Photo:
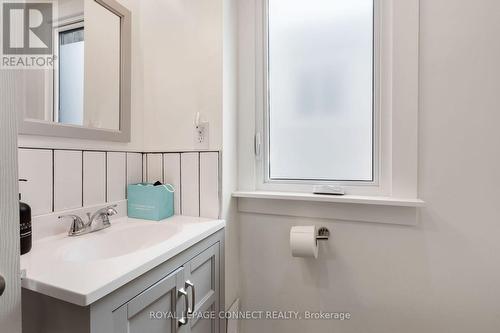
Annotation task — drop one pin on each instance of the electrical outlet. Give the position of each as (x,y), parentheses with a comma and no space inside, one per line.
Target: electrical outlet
(201,133)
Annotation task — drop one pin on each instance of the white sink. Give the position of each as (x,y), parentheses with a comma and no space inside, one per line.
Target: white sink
(116,241)
(83,269)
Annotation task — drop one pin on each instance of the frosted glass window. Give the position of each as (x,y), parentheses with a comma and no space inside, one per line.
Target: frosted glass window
(320,89)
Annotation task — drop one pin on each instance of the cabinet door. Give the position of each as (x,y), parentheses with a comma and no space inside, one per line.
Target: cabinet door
(155,310)
(202,272)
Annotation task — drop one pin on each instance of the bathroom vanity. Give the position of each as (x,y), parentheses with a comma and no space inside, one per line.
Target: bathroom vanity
(136,276)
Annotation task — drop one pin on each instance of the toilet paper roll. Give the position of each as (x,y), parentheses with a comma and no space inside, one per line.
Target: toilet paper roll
(303,242)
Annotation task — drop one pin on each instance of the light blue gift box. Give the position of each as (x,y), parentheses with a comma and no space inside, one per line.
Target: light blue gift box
(149,202)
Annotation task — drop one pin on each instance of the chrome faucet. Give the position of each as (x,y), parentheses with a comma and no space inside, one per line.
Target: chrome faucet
(78,227)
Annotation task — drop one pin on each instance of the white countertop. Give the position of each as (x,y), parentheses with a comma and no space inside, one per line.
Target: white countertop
(66,268)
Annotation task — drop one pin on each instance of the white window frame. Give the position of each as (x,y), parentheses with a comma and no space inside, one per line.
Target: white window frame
(396,26)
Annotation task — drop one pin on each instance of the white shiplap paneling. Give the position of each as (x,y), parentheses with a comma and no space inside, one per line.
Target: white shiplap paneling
(68,185)
(35,165)
(94,178)
(134,168)
(209,184)
(116,176)
(144,167)
(172,175)
(190,189)
(155,172)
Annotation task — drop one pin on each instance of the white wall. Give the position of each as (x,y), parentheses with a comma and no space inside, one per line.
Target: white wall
(230,152)
(176,72)
(442,275)
(182,71)
(70,8)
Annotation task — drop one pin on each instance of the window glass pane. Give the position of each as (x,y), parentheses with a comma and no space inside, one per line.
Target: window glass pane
(321,89)
(71,76)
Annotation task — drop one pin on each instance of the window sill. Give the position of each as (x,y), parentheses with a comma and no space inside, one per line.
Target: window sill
(390,210)
(353,199)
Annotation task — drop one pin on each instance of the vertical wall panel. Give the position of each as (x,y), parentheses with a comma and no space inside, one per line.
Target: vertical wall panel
(134,168)
(155,172)
(144,167)
(117,177)
(35,165)
(190,184)
(172,175)
(209,185)
(68,185)
(94,178)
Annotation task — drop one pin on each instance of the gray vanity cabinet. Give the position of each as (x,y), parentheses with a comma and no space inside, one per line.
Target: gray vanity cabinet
(160,300)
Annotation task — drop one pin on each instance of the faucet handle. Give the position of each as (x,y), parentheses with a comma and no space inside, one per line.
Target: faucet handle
(110,210)
(77,224)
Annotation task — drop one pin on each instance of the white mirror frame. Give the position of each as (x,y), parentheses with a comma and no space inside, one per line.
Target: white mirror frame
(44,128)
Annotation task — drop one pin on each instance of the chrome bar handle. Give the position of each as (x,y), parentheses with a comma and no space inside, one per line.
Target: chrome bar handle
(77,224)
(184,319)
(190,284)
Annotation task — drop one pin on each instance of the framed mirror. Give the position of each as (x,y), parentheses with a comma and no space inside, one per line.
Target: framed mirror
(86,93)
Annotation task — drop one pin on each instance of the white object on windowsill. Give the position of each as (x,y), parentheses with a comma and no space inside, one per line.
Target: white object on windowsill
(328,189)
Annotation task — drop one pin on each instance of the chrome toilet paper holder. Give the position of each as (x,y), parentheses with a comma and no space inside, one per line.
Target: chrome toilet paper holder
(323,234)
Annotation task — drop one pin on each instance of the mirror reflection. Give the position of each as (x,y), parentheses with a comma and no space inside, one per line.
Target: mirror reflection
(83,89)
(70,80)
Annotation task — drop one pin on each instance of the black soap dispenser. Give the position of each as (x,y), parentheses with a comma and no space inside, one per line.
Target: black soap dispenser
(25,224)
